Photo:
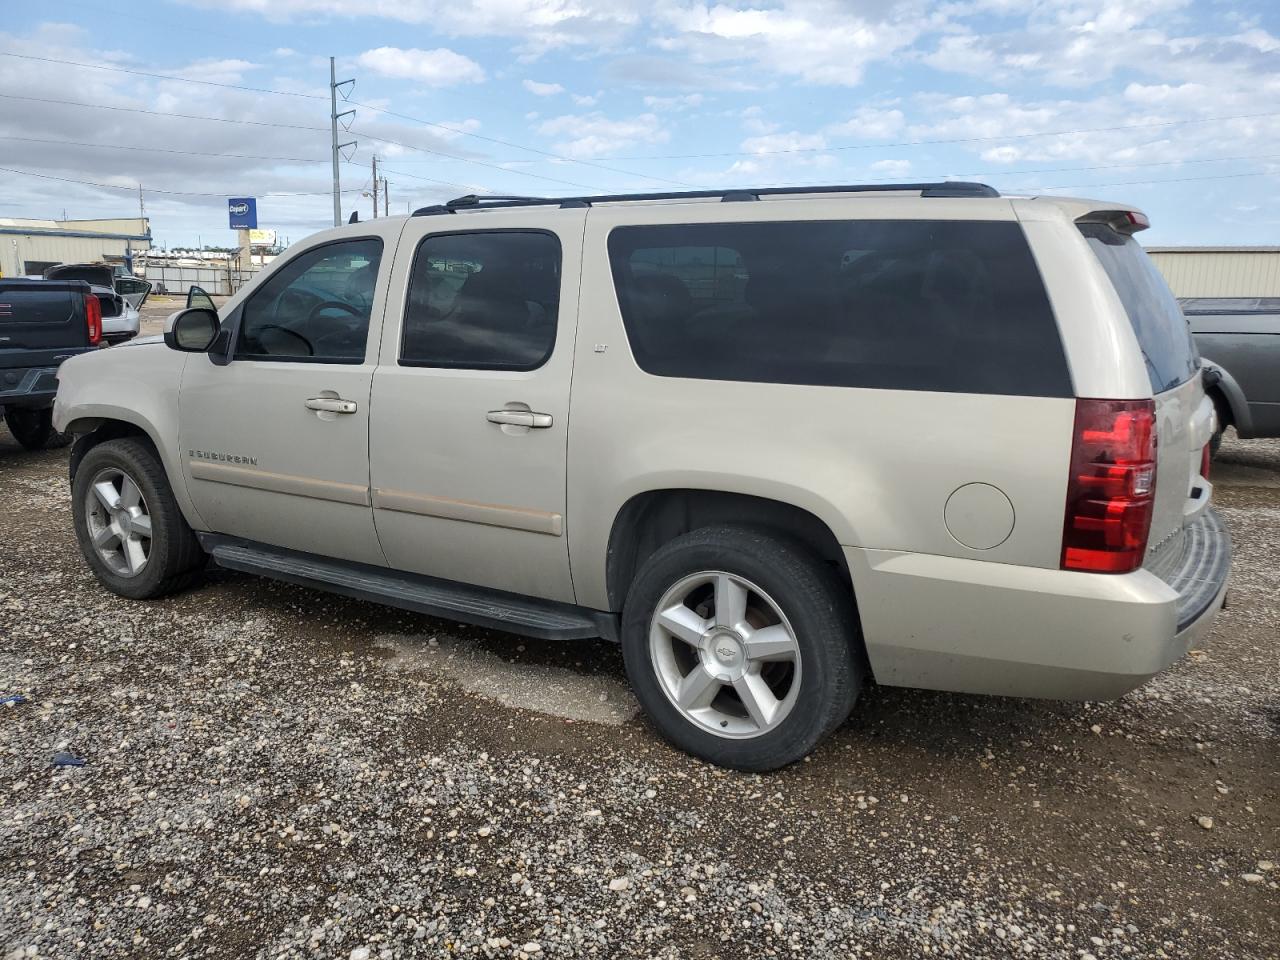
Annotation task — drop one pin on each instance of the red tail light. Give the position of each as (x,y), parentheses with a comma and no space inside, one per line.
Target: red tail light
(93,318)
(1206,460)
(1111,490)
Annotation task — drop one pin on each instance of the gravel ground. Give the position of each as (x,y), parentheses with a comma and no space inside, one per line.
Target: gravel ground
(275,772)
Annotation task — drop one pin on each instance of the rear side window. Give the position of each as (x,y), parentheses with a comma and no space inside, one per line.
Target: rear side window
(483,301)
(954,306)
(1157,321)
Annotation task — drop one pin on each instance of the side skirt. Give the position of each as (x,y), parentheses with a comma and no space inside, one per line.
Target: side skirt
(447,599)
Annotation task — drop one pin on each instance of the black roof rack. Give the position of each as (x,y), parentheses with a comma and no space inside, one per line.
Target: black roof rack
(945,188)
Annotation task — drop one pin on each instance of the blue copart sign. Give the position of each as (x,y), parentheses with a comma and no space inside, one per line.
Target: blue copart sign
(243,213)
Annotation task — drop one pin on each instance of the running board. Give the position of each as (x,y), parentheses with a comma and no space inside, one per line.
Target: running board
(449,600)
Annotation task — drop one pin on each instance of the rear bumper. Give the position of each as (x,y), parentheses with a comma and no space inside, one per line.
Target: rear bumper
(970,626)
(119,328)
(28,386)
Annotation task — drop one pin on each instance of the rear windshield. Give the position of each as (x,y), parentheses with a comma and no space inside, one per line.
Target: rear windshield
(954,306)
(1157,320)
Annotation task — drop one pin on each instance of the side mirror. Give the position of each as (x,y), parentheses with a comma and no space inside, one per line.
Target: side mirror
(192,330)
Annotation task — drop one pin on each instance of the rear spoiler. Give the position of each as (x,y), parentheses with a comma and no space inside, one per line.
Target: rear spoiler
(1121,221)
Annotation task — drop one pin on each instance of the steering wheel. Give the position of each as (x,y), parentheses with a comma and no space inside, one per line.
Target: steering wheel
(324,304)
(306,344)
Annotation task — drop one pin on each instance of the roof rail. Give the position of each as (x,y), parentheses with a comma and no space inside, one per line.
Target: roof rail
(946,188)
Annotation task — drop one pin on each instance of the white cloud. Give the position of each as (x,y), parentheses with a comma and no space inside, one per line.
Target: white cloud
(819,41)
(543,89)
(892,168)
(682,102)
(585,101)
(457,129)
(870,123)
(782,142)
(539,25)
(595,135)
(437,68)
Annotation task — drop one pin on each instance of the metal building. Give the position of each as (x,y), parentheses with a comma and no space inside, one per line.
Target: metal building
(27,247)
(1220,271)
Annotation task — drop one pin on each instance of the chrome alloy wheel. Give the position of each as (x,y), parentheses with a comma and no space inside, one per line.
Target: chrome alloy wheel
(118,521)
(725,655)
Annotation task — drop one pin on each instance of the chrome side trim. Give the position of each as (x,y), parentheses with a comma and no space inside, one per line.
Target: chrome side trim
(469,511)
(280,483)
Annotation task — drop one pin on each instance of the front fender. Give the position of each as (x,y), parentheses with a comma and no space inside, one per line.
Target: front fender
(137,386)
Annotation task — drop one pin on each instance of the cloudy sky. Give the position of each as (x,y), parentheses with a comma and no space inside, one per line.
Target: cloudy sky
(1171,104)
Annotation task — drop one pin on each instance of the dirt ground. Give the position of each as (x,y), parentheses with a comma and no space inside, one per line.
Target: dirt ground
(275,772)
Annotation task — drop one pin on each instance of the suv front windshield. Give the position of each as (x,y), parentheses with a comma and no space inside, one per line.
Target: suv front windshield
(1157,321)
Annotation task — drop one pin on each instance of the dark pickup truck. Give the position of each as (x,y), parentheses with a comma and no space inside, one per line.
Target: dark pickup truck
(1239,343)
(42,323)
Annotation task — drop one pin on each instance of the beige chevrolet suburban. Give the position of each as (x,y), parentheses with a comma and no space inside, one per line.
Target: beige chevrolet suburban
(775,442)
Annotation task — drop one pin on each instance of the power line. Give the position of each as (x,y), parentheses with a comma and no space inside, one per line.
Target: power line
(193,153)
(175,193)
(482,163)
(391,113)
(447,183)
(949,140)
(288,126)
(519,146)
(1138,183)
(991,174)
(162,76)
(161,113)
(555,156)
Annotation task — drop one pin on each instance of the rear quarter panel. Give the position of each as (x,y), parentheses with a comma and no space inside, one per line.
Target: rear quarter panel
(877,466)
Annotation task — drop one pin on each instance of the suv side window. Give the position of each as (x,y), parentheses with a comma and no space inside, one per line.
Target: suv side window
(483,301)
(315,308)
(943,305)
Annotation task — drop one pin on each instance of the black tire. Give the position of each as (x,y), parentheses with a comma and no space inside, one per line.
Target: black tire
(811,596)
(175,558)
(1223,421)
(33,427)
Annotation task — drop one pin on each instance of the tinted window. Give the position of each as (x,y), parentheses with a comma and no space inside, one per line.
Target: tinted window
(913,305)
(483,301)
(1161,329)
(314,308)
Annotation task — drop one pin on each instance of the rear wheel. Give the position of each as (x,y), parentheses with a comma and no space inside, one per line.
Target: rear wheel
(1222,420)
(740,647)
(130,529)
(33,428)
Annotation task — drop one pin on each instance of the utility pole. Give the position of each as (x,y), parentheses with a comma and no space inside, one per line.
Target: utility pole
(142,209)
(334,117)
(375,186)
(386,198)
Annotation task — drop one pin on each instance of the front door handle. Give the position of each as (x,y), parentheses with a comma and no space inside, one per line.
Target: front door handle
(331,405)
(520,418)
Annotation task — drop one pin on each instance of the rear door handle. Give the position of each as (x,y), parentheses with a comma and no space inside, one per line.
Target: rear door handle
(331,405)
(520,418)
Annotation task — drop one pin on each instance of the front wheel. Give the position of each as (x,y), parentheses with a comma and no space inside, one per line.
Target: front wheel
(741,647)
(129,526)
